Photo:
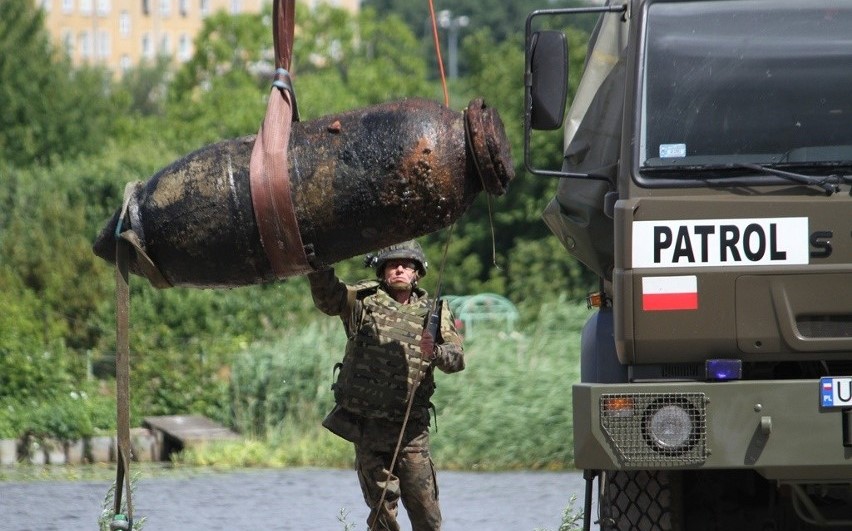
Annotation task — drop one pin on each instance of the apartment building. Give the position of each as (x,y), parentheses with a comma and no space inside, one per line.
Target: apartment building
(119,34)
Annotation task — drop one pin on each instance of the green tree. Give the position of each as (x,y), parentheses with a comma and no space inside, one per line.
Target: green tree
(340,62)
(503,19)
(357,61)
(523,256)
(226,44)
(54,261)
(29,368)
(146,86)
(48,220)
(49,110)
(221,91)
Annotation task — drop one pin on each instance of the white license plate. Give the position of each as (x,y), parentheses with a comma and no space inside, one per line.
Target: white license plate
(835,391)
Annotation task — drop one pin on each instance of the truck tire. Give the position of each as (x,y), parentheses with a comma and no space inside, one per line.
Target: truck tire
(641,500)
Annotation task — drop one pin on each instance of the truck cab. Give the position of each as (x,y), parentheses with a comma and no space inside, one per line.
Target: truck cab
(707,180)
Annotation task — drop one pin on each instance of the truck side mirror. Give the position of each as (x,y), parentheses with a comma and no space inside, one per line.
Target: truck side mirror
(548,79)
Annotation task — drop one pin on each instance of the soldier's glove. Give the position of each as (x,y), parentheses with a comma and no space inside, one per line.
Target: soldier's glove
(428,349)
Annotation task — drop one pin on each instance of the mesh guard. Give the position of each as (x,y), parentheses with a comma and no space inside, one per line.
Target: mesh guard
(629,433)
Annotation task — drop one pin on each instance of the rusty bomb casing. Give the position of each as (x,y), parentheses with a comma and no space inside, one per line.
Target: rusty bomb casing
(359,180)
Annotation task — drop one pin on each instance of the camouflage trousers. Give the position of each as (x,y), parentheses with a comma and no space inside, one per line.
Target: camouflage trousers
(412,480)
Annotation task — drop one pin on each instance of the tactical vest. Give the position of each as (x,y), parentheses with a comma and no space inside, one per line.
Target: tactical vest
(382,360)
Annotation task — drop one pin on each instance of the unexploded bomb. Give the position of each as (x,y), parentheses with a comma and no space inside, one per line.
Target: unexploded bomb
(358,181)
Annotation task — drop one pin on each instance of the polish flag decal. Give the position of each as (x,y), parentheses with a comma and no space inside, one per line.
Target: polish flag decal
(669,293)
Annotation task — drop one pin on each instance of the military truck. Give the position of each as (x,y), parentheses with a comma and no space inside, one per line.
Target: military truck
(706,181)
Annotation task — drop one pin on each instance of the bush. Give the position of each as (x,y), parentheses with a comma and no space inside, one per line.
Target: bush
(67,416)
(10,419)
(287,380)
(65,419)
(102,411)
(510,408)
(28,368)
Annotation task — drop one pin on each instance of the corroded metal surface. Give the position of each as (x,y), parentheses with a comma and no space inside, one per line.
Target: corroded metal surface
(359,181)
(487,140)
(195,221)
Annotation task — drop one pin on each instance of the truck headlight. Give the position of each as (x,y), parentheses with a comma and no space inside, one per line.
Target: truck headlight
(670,427)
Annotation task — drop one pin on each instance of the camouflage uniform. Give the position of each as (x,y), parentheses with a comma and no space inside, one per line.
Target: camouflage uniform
(374,429)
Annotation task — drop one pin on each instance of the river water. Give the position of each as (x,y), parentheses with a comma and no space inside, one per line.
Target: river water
(289,499)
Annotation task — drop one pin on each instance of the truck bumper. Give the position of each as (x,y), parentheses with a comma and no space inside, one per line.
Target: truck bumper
(774,427)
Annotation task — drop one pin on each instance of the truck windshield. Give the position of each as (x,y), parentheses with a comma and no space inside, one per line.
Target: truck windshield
(754,82)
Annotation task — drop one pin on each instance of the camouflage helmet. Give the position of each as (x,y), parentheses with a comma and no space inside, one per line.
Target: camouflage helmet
(409,250)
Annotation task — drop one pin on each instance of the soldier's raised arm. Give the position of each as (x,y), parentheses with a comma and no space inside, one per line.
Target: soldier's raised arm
(331,295)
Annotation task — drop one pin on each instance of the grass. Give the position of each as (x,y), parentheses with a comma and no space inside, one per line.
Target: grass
(108,515)
(509,409)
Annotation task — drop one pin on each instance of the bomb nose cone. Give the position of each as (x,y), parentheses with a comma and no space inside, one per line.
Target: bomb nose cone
(104,246)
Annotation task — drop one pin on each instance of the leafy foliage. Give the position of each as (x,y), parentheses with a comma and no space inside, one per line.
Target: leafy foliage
(27,368)
(67,413)
(513,386)
(347,62)
(504,20)
(289,379)
(49,110)
(146,87)
(219,92)
(108,516)
(65,159)
(521,256)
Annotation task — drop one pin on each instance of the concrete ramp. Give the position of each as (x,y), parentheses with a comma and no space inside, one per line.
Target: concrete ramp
(176,432)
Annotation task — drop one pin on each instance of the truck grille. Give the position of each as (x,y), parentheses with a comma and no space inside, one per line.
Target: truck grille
(825,326)
(655,429)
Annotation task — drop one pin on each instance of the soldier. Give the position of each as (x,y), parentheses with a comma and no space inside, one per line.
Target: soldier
(388,352)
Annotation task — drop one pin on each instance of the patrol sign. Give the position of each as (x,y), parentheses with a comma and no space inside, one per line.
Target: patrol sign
(720,242)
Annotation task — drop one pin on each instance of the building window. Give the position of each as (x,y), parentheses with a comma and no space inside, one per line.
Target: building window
(125,63)
(85,45)
(146,7)
(104,48)
(67,6)
(85,7)
(47,5)
(124,24)
(184,48)
(165,7)
(165,45)
(68,42)
(103,7)
(236,7)
(147,47)
(184,7)
(205,8)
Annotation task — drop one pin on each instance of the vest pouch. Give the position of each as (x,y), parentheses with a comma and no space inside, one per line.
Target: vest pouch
(334,384)
(343,423)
